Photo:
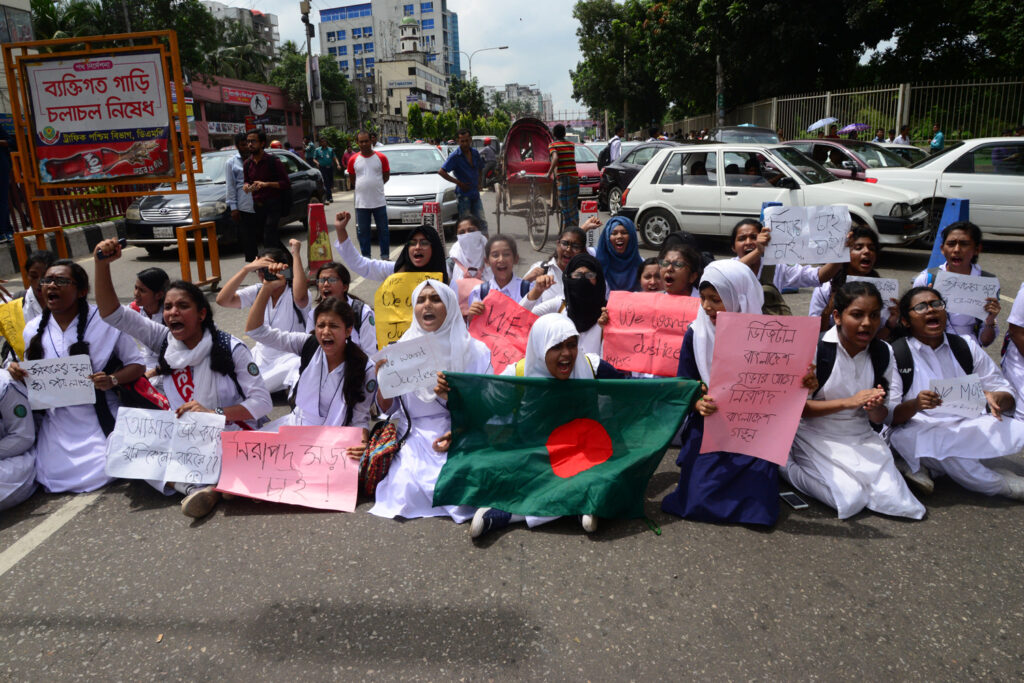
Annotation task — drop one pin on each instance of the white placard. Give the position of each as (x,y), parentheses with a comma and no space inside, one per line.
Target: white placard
(588,209)
(966,294)
(156,445)
(59,382)
(889,288)
(409,365)
(963,396)
(807,234)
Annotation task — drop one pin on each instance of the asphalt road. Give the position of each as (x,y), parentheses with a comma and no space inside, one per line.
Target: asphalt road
(119,585)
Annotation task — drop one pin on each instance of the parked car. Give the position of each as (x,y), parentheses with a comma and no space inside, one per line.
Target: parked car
(987,171)
(849,158)
(616,176)
(414,180)
(909,152)
(707,188)
(756,134)
(586,167)
(596,146)
(150,222)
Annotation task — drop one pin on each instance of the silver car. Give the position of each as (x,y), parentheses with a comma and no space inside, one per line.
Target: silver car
(414,181)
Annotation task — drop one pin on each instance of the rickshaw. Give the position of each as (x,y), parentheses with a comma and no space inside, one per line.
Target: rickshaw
(523,188)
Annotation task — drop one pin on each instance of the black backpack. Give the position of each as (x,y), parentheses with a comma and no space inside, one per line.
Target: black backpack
(605,157)
(905,359)
(825,361)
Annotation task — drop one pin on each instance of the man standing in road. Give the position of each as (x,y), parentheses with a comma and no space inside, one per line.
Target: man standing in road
(369,171)
(240,202)
(567,180)
(326,161)
(938,139)
(489,156)
(468,167)
(615,144)
(308,148)
(266,179)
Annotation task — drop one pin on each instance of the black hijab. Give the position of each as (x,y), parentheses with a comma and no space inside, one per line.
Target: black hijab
(583,300)
(403,264)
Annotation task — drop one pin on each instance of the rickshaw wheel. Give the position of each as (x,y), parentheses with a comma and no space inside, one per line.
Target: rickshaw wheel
(498,195)
(538,218)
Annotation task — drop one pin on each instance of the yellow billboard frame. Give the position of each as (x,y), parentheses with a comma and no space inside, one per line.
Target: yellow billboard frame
(180,149)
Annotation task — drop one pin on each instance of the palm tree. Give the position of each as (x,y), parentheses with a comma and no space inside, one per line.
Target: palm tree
(56,19)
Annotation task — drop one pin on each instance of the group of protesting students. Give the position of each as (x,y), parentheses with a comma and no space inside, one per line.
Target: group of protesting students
(868,428)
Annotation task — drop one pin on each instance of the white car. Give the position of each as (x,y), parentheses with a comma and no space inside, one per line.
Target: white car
(707,189)
(414,180)
(987,171)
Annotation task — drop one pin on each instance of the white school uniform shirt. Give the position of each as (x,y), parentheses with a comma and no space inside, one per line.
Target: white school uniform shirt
(942,437)
(823,292)
(234,177)
(30,307)
(1013,362)
(70,451)
(957,323)
(371,269)
(256,398)
(318,395)
(17,433)
(280,369)
(550,267)
(511,290)
(149,357)
(366,334)
(789,276)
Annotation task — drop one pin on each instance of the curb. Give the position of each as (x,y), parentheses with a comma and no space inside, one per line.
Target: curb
(80,240)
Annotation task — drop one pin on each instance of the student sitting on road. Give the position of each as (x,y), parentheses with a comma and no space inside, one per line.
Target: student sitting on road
(1013,350)
(468,256)
(502,259)
(17,433)
(584,301)
(649,276)
(279,369)
(570,242)
(618,252)
(423,253)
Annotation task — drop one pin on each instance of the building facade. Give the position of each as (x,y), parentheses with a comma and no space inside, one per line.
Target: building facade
(264,26)
(222,109)
(408,79)
(15,27)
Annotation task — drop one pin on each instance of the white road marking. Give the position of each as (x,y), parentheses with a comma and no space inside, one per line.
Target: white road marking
(48,527)
(1007,299)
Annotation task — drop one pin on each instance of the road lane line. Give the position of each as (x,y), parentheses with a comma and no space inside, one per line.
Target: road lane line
(1007,299)
(48,527)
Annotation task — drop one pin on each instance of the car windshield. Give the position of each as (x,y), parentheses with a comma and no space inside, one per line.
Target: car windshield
(876,157)
(801,165)
(585,154)
(748,135)
(414,161)
(931,159)
(213,168)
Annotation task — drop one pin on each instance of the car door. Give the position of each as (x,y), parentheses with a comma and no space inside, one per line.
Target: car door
(635,160)
(991,176)
(689,182)
(746,188)
(302,185)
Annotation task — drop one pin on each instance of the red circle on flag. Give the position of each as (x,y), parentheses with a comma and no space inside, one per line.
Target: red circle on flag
(577,446)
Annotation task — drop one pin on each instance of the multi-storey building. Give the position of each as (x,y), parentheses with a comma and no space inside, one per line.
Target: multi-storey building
(264,26)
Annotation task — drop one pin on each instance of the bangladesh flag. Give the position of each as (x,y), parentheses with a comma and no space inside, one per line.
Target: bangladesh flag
(538,446)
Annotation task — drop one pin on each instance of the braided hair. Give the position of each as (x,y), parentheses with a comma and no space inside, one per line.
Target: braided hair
(220,355)
(80,278)
(352,388)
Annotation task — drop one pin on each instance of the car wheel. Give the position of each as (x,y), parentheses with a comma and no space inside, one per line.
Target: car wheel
(614,200)
(655,225)
(154,249)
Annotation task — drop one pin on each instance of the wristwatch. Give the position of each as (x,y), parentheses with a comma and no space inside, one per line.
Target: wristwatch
(219,411)
(113,380)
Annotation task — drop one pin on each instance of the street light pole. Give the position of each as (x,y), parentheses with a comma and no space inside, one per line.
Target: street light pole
(483,49)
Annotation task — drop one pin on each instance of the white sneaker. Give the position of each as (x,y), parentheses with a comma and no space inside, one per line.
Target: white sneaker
(1013,486)
(920,480)
(200,502)
(589,523)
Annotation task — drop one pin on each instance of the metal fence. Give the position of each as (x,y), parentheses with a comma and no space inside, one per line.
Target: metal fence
(962,110)
(78,208)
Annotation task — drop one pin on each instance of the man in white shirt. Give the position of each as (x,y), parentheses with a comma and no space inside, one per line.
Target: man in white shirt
(243,214)
(615,144)
(374,144)
(369,171)
(904,137)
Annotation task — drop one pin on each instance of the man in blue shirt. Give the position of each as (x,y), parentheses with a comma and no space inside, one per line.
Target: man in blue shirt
(240,202)
(468,167)
(326,161)
(938,139)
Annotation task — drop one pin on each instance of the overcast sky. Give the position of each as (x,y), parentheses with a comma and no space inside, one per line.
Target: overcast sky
(541,39)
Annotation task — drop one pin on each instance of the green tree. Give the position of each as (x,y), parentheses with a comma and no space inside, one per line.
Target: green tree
(290,76)
(466,121)
(499,123)
(467,96)
(414,122)
(447,124)
(237,56)
(430,126)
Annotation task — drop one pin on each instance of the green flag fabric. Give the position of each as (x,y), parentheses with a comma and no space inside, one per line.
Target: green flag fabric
(547,447)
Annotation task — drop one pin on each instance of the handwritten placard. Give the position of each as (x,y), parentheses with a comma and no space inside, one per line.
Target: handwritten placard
(12,325)
(889,288)
(757,371)
(504,327)
(409,365)
(465,287)
(588,210)
(807,234)
(392,305)
(963,396)
(966,294)
(306,466)
(157,445)
(59,382)
(645,331)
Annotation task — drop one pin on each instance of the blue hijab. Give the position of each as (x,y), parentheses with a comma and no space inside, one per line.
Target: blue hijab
(620,270)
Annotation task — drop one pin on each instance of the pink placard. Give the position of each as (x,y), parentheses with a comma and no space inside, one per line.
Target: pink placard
(305,466)
(645,331)
(465,287)
(504,326)
(757,372)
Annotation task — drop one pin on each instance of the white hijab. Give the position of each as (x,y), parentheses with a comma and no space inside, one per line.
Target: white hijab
(740,293)
(548,331)
(469,252)
(453,344)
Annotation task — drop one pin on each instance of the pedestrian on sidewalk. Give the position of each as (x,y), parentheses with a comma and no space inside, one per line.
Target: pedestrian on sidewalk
(239,201)
(266,179)
(369,171)
(467,166)
(938,142)
(567,180)
(326,161)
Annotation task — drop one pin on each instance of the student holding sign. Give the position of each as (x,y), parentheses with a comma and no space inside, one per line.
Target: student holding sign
(681,268)
(70,451)
(837,457)
(332,280)
(649,275)
(17,432)
(950,444)
(279,369)
(502,259)
(570,242)
(423,253)
(209,370)
(336,381)
(618,252)
(408,489)
(961,246)
(720,487)
(584,301)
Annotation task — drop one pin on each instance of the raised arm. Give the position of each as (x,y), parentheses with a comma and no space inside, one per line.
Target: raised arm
(103,285)
(258,311)
(228,296)
(300,283)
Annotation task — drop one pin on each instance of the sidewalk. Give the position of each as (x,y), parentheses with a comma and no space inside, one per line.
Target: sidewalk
(80,241)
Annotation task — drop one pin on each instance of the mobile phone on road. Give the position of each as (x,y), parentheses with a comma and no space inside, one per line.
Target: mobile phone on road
(794,501)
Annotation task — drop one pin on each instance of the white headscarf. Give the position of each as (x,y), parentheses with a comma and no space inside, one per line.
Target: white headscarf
(469,252)
(740,293)
(452,341)
(548,331)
